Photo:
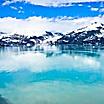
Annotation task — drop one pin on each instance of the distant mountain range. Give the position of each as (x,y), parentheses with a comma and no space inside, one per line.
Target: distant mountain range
(89,35)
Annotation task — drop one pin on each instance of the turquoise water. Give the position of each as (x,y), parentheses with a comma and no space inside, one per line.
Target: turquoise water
(52,76)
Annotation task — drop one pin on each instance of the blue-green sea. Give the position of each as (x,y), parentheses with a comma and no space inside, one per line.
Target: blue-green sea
(51,76)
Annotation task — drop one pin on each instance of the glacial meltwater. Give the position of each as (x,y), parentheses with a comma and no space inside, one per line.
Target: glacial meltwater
(51,76)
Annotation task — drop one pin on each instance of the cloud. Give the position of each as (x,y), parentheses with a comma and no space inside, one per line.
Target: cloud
(80,4)
(38,25)
(7,2)
(102,10)
(20,11)
(13,7)
(50,2)
(37,62)
(94,9)
(20,7)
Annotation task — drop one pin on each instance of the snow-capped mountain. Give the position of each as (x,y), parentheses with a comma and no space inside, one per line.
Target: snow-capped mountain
(91,35)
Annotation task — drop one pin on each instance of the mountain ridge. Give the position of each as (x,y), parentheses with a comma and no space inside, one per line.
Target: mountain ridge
(92,34)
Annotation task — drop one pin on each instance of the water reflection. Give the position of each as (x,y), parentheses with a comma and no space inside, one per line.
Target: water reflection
(55,72)
(75,77)
(51,63)
(53,50)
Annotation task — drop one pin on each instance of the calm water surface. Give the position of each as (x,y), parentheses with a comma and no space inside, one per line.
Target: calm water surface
(52,76)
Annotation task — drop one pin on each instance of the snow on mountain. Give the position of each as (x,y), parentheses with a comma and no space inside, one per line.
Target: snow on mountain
(92,34)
